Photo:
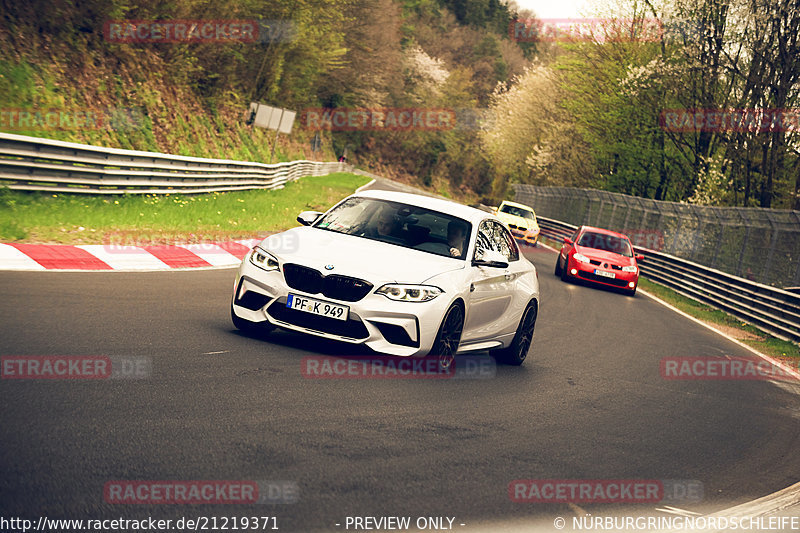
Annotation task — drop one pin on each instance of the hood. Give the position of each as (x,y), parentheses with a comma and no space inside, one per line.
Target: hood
(518,221)
(608,257)
(374,261)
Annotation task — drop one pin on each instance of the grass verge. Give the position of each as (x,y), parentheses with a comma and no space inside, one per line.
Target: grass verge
(720,320)
(34,217)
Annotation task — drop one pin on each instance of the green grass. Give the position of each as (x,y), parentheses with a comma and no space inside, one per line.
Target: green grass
(763,342)
(746,333)
(97,219)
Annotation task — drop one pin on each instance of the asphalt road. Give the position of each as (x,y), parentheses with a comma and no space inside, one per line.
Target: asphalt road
(589,403)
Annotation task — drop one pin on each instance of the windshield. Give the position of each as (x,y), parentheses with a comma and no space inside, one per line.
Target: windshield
(518,212)
(608,243)
(400,224)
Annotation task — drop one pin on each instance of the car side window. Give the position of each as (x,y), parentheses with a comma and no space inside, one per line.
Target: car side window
(493,236)
(504,242)
(484,240)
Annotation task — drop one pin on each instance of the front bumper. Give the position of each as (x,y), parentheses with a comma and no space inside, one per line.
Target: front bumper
(528,237)
(384,325)
(585,272)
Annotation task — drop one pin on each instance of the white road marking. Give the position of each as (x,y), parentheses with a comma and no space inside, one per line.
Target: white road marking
(365,186)
(13,259)
(674,510)
(125,257)
(212,254)
(792,372)
(789,370)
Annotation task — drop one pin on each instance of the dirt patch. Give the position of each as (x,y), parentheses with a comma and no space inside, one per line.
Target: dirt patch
(736,333)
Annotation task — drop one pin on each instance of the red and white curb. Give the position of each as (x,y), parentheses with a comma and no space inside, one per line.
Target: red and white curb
(16,256)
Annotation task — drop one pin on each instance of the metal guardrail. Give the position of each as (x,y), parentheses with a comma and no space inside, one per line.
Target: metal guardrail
(773,310)
(35,164)
(759,244)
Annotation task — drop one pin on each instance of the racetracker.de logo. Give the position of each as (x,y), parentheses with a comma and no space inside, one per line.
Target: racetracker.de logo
(200,492)
(605,491)
(730,368)
(181,31)
(382,119)
(652,239)
(49,367)
(601,30)
(389,367)
(729,120)
(54,119)
(586,491)
(132,242)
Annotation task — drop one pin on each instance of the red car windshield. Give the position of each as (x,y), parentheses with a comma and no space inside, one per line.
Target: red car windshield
(607,243)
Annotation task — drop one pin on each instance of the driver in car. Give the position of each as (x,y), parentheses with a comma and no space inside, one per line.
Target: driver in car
(456,235)
(387,225)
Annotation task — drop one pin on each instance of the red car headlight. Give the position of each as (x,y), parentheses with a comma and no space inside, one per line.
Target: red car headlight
(580,258)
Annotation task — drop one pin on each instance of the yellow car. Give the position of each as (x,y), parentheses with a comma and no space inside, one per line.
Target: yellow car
(521,219)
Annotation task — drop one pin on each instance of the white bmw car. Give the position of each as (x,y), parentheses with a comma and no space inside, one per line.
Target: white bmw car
(404,274)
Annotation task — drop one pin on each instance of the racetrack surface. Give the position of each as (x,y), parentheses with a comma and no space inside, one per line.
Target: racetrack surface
(589,403)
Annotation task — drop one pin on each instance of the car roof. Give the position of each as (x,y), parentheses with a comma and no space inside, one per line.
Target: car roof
(603,231)
(515,204)
(429,202)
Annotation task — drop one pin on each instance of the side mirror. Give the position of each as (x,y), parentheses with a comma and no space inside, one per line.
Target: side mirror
(307,218)
(639,257)
(567,240)
(490,258)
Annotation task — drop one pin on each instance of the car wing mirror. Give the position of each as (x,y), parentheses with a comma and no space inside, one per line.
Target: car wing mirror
(307,218)
(567,240)
(639,257)
(490,258)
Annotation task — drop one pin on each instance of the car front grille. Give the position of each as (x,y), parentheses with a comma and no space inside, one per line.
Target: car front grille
(352,328)
(602,279)
(335,286)
(303,278)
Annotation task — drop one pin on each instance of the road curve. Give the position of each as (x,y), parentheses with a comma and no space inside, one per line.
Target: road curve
(588,404)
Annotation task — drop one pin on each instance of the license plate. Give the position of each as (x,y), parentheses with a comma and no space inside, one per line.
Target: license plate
(317,307)
(604,273)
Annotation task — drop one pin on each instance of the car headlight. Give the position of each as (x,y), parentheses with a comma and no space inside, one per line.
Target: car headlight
(409,293)
(263,259)
(580,258)
(631,268)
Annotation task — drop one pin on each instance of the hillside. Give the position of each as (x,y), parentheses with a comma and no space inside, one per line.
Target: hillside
(64,75)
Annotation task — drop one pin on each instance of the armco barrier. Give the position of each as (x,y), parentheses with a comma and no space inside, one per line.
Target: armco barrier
(759,244)
(35,164)
(770,309)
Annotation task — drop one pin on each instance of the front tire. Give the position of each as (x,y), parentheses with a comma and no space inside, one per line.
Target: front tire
(446,344)
(558,265)
(564,273)
(516,353)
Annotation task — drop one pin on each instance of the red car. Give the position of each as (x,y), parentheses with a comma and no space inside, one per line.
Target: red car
(600,256)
